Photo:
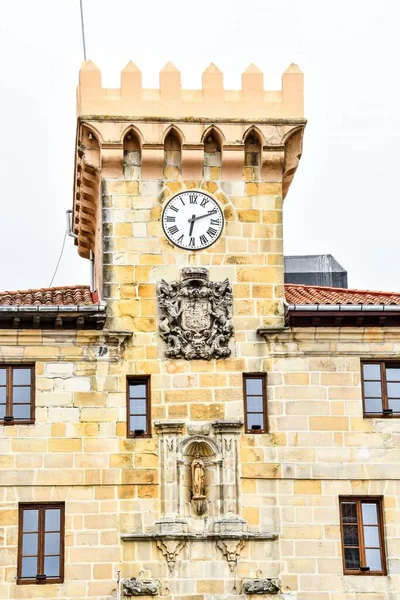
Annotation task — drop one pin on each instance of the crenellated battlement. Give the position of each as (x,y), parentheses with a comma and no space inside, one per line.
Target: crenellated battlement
(252,102)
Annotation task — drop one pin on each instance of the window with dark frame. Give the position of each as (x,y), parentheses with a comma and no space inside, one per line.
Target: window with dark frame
(363,548)
(381,388)
(17,385)
(255,402)
(41,543)
(138,406)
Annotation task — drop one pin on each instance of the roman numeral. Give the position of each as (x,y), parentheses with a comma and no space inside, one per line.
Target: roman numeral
(203,240)
(181,199)
(173,230)
(180,240)
(193,198)
(204,202)
(213,222)
(191,243)
(211,232)
(173,208)
(172,220)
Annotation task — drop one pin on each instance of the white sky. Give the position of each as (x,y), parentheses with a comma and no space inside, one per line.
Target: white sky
(344,199)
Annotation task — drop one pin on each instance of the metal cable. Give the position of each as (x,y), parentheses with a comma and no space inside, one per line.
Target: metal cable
(59,258)
(83,31)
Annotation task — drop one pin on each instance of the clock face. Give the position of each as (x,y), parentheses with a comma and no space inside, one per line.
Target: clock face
(192,220)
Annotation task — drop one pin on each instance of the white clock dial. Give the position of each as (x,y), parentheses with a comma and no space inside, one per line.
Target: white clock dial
(192,220)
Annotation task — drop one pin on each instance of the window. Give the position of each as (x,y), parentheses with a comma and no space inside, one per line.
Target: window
(381,388)
(17,385)
(41,543)
(138,407)
(362,536)
(255,402)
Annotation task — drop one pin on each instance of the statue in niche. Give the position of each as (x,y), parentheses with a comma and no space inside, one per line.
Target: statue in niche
(198,487)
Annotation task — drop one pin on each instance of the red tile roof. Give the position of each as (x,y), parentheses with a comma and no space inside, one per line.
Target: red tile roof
(307,294)
(56,296)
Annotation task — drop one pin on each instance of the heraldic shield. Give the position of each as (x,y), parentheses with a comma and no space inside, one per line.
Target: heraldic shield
(196,315)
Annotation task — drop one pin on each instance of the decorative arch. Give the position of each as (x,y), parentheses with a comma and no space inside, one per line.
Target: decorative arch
(172,140)
(257,132)
(89,143)
(213,141)
(199,444)
(217,131)
(293,142)
(253,143)
(134,129)
(132,147)
(176,130)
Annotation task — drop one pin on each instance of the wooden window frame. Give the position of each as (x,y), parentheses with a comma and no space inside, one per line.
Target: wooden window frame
(385,402)
(263,377)
(146,380)
(378,501)
(41,507)
(9,418)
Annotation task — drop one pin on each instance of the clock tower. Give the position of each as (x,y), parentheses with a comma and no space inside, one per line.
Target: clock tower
(178,203)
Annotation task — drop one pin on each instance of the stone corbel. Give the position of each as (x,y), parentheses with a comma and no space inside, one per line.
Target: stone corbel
(261,586)
(140,587)
(170,549)
(231,550)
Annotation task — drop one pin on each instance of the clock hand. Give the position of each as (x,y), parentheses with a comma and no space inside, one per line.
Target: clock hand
(201,216)
(191,221)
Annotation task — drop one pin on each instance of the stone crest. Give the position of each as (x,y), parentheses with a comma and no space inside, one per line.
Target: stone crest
(196,315)
(140,587)
(261,586)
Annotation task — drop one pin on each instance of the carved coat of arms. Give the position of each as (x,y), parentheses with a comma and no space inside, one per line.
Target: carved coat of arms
(196,315)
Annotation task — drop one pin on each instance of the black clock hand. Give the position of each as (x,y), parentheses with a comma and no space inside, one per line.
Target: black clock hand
(191,221)
(201,216)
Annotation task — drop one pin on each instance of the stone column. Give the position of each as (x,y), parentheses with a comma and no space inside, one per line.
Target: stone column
(227,434)
(169,432)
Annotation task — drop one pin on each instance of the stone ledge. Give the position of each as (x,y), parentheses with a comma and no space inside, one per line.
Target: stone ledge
(204,537)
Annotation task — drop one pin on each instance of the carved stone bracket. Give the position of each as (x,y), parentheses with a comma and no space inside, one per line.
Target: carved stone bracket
(140,587)
(170,549)
(231,550)
(196,316)
(261,586)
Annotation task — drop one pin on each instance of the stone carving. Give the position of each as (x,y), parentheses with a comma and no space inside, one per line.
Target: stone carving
(261,586)
(231,550)
(140,587)
(197,478)
(170,549)
(196,315)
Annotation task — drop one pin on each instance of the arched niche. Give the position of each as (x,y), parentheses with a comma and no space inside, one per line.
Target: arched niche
(172,154)
(252,156)
(213,143)
(132,155)
(90,145)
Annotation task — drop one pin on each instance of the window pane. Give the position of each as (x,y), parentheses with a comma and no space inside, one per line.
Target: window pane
(254,386)
(29,567)
(350,534)
(393,390)
(137,390)
(371,537)
(254,403)
(136,423)
(369,514)
(21,376)
(21,394)
(3,394)
(373,405)
(2,411)
(255,419)
(372,389)
(394,405)
(52,566)
(349,512)
(52,520)
(30,520)
(392,374)
(30,543)
(138,407)
(373,559)
(3,375)
(52,543)
(21,411)
(352,558)
(372,372)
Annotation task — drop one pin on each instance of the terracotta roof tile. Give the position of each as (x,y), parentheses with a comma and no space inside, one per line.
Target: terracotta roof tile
(307,294)
(56,296)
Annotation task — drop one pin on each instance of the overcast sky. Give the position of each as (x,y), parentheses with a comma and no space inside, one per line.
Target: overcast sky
(344,199)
